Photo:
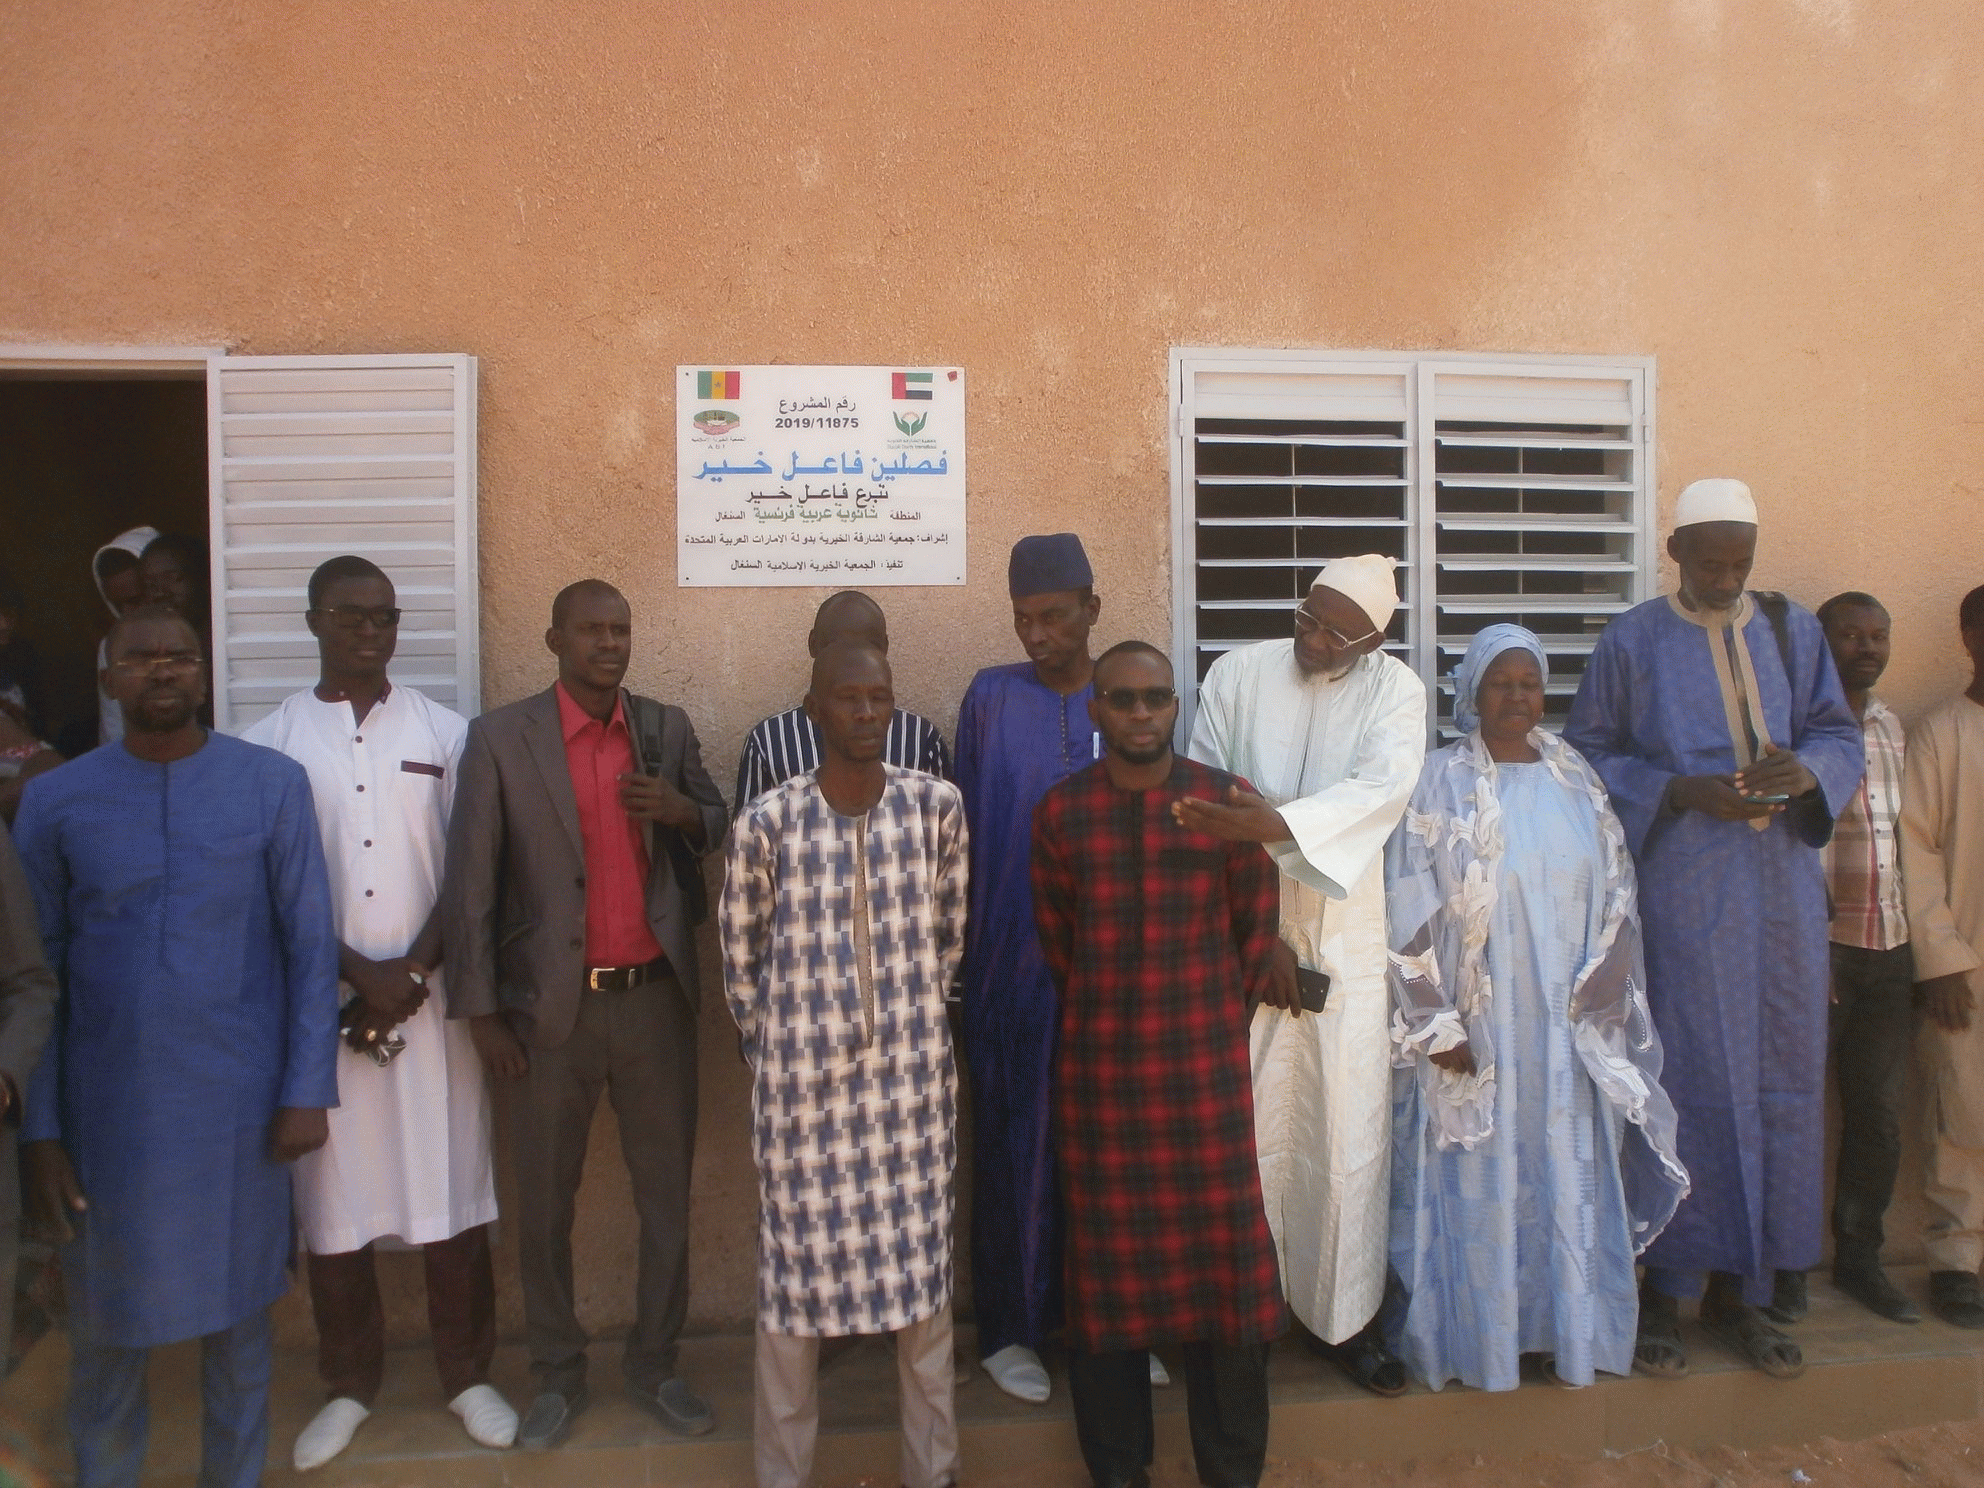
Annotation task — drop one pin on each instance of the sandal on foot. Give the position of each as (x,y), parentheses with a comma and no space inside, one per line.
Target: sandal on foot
(1547,1366)
(1368,1363)
(1657,1351)
(1745,1331)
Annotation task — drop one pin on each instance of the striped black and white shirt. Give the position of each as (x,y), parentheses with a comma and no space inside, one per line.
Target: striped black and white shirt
(788,744)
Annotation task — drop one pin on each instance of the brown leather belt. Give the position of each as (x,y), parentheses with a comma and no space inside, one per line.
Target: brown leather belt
(620,978)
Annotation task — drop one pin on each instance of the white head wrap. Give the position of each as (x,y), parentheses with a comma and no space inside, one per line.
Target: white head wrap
(1369,581)
(1489,643)
(1718,499)
(132,542)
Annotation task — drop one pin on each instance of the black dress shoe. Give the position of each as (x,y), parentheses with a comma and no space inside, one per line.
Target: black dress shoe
(549,1419)
(676,1406)
(1788,1300)
(1870,1287)
(1953,1297)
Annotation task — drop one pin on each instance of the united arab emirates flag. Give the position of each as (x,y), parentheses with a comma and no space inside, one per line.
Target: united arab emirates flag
(911,385)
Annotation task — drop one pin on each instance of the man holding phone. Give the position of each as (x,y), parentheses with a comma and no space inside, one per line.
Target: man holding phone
(408,1154)
(1332,731)
(569,911)
(1716,720)
(1160,938)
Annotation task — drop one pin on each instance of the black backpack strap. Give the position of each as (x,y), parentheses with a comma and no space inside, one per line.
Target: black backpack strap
(645,720)
(1777,609)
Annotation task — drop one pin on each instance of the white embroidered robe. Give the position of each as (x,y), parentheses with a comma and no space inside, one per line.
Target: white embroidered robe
(1339,758)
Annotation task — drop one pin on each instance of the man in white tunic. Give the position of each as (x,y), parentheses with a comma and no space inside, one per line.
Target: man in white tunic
(842,922)
(408,1155)
(1942,866)
(1332,731)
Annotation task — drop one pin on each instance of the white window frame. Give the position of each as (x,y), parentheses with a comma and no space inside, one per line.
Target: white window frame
(372,433)
(210,363)
(1390,386)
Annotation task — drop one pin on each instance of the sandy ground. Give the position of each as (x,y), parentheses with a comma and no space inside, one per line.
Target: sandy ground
(1926,1457)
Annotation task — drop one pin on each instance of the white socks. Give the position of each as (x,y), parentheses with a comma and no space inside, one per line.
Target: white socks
(1017,1370)
(328,1433)
(487,1415)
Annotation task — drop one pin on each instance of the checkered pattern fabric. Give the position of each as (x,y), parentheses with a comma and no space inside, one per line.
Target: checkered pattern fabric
(1863,859)
(854,1095)
(1157,938)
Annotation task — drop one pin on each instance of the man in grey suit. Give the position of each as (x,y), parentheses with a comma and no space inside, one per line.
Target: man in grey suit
(27,1007)
(569,912)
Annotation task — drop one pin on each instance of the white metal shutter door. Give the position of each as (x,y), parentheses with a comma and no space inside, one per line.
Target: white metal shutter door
(310,457)
(1282,467)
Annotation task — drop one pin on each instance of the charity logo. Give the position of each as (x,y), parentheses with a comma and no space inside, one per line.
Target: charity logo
(719,384)
(910,385)
(911,426)
(715,420)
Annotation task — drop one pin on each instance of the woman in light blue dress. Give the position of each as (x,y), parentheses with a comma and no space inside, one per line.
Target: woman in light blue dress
(1533,1148)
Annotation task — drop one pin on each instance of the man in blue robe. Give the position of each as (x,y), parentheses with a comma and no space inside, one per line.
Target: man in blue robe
(182,897)
(1021,729)
(1717,722)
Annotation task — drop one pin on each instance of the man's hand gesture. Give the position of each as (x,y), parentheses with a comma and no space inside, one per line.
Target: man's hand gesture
(53,1192)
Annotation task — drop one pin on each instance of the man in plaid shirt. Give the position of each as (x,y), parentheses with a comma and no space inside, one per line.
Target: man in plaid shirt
(1160,939)
(1872,970)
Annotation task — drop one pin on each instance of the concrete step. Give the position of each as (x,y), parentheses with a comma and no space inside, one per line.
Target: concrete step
(1866,1376)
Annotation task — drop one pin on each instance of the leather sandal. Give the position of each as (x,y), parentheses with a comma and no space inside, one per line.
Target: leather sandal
(1744,1330)
(1657,1351)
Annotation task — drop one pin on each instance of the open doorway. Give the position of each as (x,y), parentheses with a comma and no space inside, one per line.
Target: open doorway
(84,457)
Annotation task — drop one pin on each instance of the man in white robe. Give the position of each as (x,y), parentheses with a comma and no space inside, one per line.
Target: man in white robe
(408,1158)
(1332,732)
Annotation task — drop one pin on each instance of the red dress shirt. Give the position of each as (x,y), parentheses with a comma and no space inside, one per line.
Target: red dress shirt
(598,754)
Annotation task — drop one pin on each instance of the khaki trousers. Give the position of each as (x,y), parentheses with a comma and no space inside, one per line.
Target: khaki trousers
(1953,1180)
(788,1406)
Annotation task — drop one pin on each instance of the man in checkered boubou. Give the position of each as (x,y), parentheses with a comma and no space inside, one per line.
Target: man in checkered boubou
(1160,937)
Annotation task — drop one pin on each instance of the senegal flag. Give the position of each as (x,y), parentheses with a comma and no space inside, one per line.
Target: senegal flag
(719,385)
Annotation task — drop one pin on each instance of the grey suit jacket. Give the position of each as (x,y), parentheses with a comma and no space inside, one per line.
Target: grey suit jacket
(27,986)
(514,896)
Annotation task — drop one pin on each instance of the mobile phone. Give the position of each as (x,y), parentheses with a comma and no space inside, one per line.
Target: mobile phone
(1313,987)
(1776,800)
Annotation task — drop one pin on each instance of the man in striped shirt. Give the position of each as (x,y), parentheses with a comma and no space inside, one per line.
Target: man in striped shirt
(1872,970)
(788,743)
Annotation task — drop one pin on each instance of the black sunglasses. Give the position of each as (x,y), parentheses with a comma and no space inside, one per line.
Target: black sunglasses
(1123,699)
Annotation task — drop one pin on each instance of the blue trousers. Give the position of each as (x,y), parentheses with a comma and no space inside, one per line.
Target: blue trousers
(108,1419)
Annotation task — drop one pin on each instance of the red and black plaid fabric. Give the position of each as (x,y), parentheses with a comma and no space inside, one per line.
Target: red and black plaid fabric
(1156,938)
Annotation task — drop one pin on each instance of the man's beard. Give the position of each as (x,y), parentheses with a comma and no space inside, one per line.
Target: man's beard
(160,715)
(1148,756)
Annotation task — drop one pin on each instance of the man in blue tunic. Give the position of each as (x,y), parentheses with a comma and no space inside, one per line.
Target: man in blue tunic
(1021,728)
(182,897)
(1717,722)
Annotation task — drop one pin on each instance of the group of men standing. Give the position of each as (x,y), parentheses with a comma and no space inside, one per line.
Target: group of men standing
(1173,971)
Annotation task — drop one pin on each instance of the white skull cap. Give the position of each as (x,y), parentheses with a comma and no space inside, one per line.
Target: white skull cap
(1369,580)
(1718,499)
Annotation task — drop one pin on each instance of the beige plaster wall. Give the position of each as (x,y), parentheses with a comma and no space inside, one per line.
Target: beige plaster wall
(1777,198)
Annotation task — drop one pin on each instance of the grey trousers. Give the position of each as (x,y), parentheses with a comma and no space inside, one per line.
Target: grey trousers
(788,1406)
(639,1047)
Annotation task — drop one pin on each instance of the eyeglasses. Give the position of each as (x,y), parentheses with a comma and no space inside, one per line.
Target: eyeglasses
(1123,699)
(351,617)
(1304,621)
(144,666)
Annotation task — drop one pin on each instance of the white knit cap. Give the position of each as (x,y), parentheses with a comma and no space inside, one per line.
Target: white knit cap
(1369,580)
(1718,499)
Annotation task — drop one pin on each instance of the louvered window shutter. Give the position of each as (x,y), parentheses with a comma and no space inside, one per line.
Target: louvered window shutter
(310,457)
(1504,488)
